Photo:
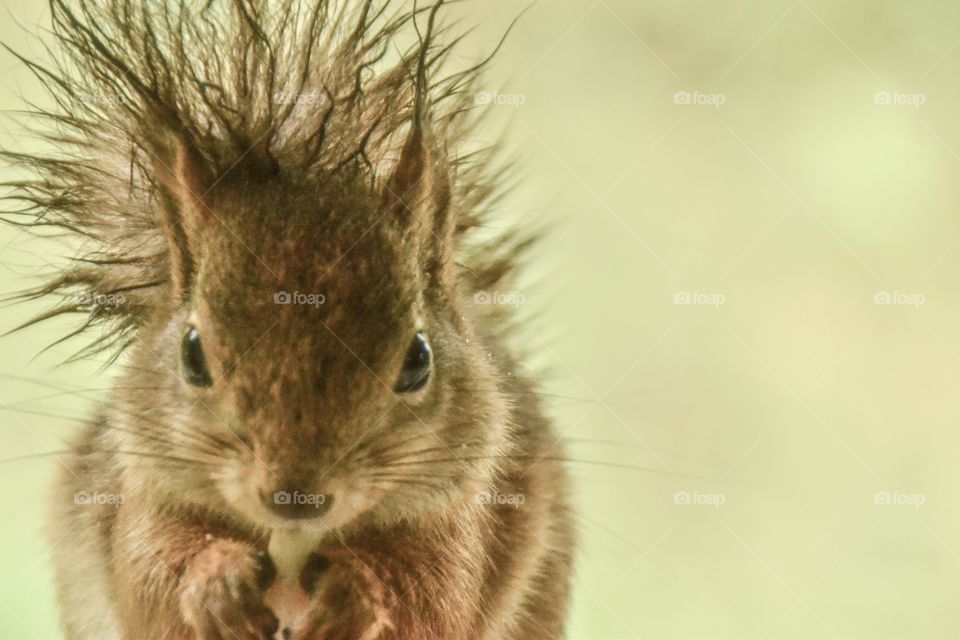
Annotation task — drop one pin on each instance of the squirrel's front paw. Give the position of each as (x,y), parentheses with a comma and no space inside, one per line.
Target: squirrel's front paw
(348,602)
(223,593)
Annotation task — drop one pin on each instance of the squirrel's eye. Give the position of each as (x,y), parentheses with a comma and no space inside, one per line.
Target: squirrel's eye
(192,360)
(416,366)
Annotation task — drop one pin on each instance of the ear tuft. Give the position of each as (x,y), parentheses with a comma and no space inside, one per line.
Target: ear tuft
(184,179)
(187,182)
(407,186)
(418,193)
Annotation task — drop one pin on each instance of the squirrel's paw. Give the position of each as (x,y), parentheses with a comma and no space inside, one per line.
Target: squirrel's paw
(348,602)
(223,593)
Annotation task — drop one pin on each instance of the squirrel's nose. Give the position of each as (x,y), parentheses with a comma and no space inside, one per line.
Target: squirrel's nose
(296,505)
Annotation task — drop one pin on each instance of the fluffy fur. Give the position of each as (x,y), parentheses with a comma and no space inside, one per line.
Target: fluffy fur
(308,88)
(211,156)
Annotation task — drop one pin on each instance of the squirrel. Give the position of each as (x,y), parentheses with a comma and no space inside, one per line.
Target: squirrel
(318,431)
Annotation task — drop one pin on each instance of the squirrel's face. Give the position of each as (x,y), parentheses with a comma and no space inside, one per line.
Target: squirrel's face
(319,366)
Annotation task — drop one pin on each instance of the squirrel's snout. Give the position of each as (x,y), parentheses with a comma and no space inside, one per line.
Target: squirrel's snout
(294,504)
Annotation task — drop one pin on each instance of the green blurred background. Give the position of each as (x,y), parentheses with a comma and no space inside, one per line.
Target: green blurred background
(749,289)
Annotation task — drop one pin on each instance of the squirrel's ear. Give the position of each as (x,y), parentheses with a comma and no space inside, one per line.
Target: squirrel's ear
(418,190)
(184,180)
(405,190)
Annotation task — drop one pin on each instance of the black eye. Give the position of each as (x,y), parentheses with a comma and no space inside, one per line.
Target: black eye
(192,360)
(416,366)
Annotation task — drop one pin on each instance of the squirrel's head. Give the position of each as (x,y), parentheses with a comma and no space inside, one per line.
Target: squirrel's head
(288,275)
(317,360)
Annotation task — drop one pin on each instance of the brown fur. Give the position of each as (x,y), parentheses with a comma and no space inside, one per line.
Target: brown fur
(202,195)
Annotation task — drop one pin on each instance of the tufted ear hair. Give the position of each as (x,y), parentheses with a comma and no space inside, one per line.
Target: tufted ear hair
(419,182)
(418,190)
(409,184)
(184,179)
(418,193)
